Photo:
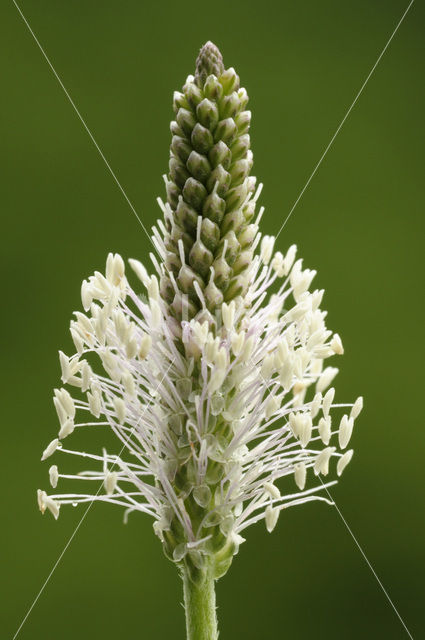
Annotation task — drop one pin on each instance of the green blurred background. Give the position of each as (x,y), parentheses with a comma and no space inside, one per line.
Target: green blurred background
(359,223)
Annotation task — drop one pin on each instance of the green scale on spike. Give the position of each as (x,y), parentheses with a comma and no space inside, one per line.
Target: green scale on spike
(209,235)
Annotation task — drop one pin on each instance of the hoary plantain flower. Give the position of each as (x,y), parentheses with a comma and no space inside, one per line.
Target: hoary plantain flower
(210,371)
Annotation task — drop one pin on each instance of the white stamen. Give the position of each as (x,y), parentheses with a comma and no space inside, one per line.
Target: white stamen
(336,345)
(111,480)
(300,474)
(322,461)
(50,449)
(345,431)
(53,476)
(343,461)
(271,516)
(357,408)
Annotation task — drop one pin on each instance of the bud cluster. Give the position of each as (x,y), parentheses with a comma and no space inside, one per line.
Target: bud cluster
(209,233)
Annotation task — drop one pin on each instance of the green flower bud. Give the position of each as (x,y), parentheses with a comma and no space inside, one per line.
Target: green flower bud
(178,172)
(219,179)
(210,234)
(243,261)
(177,234)
(234,289)
(239,171)
(186,278)
(200,258)
(236,196)
(222,272)
(226,130)
(249,208)
(194,193)
(193,94)
(213,90)
(185,120)
(233,247)
(175,129)
(230,105)
(201,139)
(214,207)
(247,236)
(229,80)
(172,263)
(213,295)
(243,121)
(179,101)
(173,193)
(207,113)
(198,166)
(220,154)
(166,289)
(180,148)
(243,97)
(240,147)
(233,221)
(186,216)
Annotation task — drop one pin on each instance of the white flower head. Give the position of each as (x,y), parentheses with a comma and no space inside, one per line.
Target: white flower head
(218,425)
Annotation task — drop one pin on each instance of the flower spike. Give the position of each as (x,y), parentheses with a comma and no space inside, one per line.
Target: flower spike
(210,373)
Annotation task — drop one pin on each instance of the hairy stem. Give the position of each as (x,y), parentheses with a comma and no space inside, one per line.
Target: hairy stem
(199,603)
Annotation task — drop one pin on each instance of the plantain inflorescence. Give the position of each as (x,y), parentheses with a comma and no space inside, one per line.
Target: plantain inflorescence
(213,380)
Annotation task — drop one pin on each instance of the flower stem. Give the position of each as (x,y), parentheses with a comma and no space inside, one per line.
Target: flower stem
(199,603)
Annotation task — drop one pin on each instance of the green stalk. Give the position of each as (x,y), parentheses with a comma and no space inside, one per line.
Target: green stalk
(199,604)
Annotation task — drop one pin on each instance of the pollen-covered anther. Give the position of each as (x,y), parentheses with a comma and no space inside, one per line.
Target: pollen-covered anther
(64,405)
(94,403)
(53,475)
(316,404)
(228,314)
(345,431)
(111,480)
(326,378)
(46,502)
(278,264)
(140,271)
(271,517)
(300,474)
(272,490)
(248,348)
(68,367)
(327,401)
(120,409)
(325,429)
(145,346)
(267,245)
(217,376)
(357,408)
(156,314)
(322,461)
(50,449)
(343,461)
(115,269)
(336,345)
(86,295)
(66,429)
